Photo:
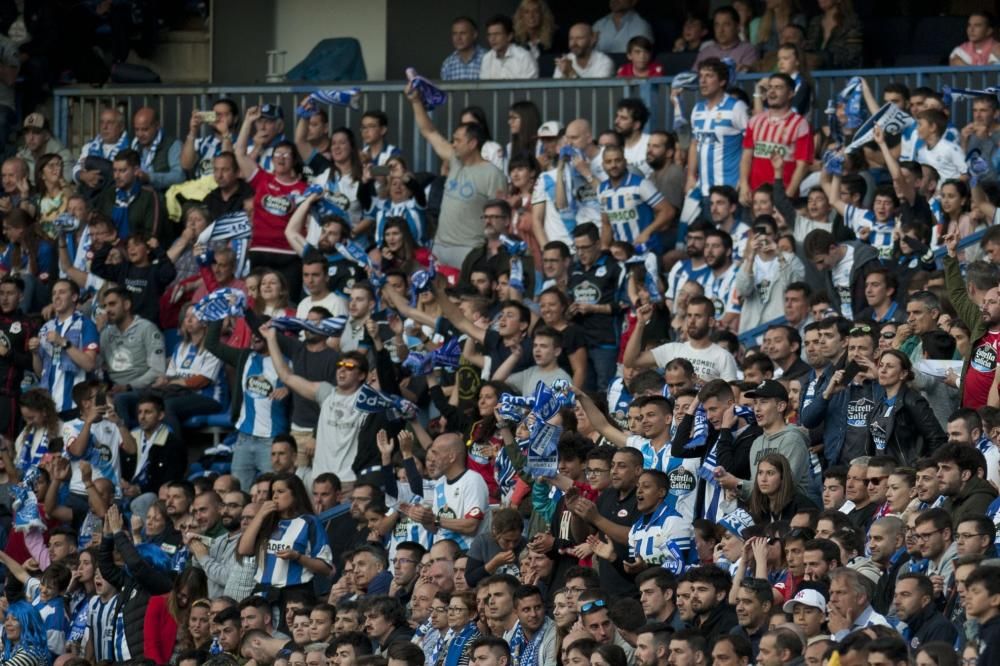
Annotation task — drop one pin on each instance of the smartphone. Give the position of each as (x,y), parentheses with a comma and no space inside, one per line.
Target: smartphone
(850,372)
(380,171)
(208,116)
(101,401)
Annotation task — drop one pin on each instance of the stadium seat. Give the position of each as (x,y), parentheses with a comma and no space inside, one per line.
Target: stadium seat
(674,63)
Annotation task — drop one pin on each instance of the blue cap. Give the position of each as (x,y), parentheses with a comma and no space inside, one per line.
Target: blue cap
(272,111)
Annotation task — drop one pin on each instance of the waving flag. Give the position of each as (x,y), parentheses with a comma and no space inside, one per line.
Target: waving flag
(26,515)
(682,81)
(890,118)
(234,229)
(446,356)
(375,402)
(516,249)
(543,451)
(950,94)
(852,97)
(350,97)
(422,281)
(354,252)
(221,303)
(431,96)
(329,327)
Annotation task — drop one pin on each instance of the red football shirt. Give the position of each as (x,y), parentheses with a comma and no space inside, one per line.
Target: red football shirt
(766,135)
(273,204)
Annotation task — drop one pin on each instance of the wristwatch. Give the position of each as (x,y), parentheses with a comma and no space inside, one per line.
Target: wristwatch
(66,343)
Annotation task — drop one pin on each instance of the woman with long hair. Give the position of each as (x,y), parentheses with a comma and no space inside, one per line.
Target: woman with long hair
(523,119)
(835,36)
(53,192)
(553,304)
(344,174)
(491,151)
(26,251)
(955,215)
(398,249)
(199,625)
(274,296)
(524,172)
(24,639)
(288,540)
(463,614)
(534,26)
(765,32)
(42,425)
(166,621)
(158,528)
(902,425)
(608,655)
(774,497)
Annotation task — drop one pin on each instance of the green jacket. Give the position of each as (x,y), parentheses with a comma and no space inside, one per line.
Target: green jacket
(143,214)
(967,311)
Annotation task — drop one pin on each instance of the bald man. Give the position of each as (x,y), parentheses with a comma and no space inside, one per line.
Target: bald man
(159,153)
(93,169)
(583,61)
(461,498)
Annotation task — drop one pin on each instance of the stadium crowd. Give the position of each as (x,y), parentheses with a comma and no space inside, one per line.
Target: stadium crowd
(606,396)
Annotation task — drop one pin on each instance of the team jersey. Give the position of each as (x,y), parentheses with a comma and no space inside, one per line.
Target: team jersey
(911,144)
(207,147)
(629,207)
(59,372)
(767,135)
(53,614)
(982,366)
(273,204)
(100,627)
(558,223)
(739,233)
(993,513)
(102,452)
(465,498)
(880,236)
(190,360)
(662,538)
(342,192)
(684,271)
(992,455)
(407,529)
(619,400)
(682,473)
(304,535)
(720,291)
(382,157)
(261,415)
(414,214)
(719,133)
(266,158)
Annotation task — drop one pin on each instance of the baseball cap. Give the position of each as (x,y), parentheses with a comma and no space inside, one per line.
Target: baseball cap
(36,121)
(768,388)
(272,111)
(737,521)
(811,598)
(550,129)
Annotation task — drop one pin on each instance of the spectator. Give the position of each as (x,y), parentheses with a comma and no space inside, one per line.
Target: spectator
(534,26)
(981,49)
(38,141)
(834,37)
(583,61)
(983,133)
(727,42)
(231,192)
(766,32)
(132,348)
(618,27)
(966,493)
(505,59)
(693,34)
(134,207)
(938,151)
(92,170)
(146,278)
(632,209)
(159,153)
(466,60)
(775,139)
(845,264)
(640,63)
(199,152)
(764,275)
(631,116)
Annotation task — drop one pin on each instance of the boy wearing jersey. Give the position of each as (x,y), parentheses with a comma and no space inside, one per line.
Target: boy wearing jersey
(717,125)
(258,402)
(873,226)
(632,209)
(66,348)
(661,536)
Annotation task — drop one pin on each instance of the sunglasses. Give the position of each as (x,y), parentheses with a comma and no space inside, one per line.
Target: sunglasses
(888,335)
(350,365)
(860,329)
(597,604)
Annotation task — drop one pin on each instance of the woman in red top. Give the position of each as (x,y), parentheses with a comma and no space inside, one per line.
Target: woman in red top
(166,624)
(275,195)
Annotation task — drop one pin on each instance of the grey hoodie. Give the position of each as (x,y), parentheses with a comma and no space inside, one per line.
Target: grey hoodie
(791,443)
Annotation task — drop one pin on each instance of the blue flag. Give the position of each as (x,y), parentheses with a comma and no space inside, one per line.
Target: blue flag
(431,96)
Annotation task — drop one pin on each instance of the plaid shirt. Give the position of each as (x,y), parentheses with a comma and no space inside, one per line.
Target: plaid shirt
(454,69)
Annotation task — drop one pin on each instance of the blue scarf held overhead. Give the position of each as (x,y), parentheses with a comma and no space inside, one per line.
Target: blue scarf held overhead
(430,95)
(119,214)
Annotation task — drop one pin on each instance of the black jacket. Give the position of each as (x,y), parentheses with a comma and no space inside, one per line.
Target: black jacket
(135,586)
(886,587)
(719,622)
(972,500)
(989,641)
(930,625)
(912,431)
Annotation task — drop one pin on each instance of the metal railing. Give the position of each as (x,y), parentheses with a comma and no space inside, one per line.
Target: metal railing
(77,109)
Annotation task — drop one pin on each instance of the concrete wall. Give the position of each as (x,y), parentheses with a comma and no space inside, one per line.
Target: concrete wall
(300,24)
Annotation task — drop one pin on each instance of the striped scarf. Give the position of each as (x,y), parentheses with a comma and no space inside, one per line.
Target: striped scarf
(526,652)
(96,147)
(714,493)
(235,230)
(119,214)
(146,161)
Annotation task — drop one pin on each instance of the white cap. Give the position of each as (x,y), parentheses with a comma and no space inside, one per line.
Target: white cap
(811,598)
(550,129)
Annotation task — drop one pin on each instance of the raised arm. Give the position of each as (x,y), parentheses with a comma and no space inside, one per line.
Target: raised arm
(438,142)
(300,385)
(634,356)
(301,130)
(248,166)
(294,230)
(599,421)
(451,312)
(831,186)
(904,190)
(189,156)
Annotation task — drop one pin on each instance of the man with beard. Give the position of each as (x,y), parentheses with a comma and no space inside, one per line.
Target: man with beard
(886,542)
(632,209)
(831,346)
(710,360)
(219,558)
(714,615)
(15,356)
(719,286)
(583,61)
(534,641)
(783,346)
(631,117)
(197,153)
(668,176)
(231,192)
(315,361)
(694,268)
(753,609)
(131,347)
(492,254)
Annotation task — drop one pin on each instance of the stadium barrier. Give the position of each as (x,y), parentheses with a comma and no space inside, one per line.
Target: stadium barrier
(77,108)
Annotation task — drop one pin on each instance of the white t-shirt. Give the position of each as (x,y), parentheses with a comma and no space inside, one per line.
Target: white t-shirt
(947,158)
(842,281)
(635,156)
(467,497)
(337,432)
(106,441)
(710,363)
(526,380)
(600,66)
(337,305)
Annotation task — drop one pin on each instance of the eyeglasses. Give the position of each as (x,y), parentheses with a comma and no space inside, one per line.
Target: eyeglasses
(594,605)
(962,537)
(439,609)
(596,472)
(926,535)
(877,479)
(888,335)
(350,365)
(864,328)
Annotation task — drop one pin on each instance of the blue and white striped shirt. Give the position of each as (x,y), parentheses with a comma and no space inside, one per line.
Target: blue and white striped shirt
(304,535)
(101,627)
(60,374)
(629,207)
(719,133)
(650,536)
(261,415)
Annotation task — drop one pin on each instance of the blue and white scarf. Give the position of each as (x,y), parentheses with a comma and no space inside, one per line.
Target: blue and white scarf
(683,81)
(375,402)
(221,303)
(26,514)
(350,98)
(515,249)
(328,328)
(96,147)
(235,230)
(430,95)
(714,493)
(525,652)
(119,214)
(147,154)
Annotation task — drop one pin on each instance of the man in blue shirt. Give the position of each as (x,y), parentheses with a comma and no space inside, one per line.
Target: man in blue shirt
(465,61)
